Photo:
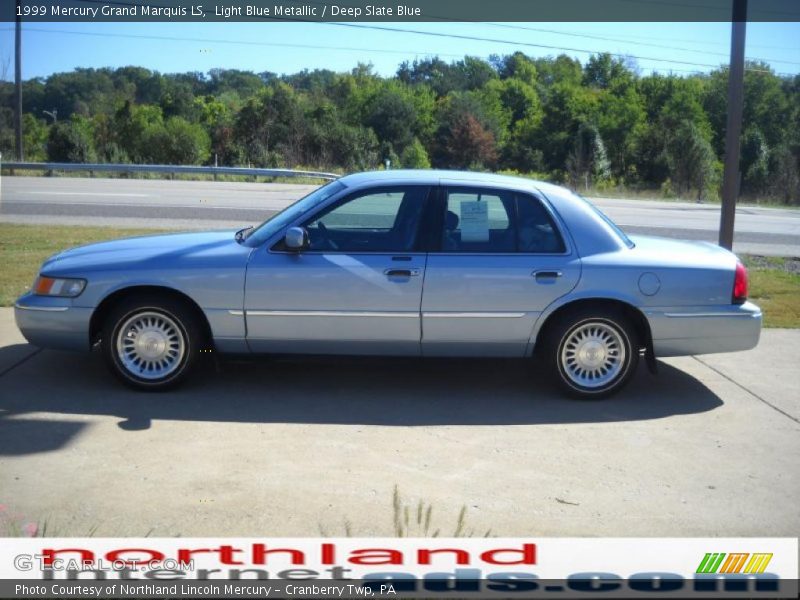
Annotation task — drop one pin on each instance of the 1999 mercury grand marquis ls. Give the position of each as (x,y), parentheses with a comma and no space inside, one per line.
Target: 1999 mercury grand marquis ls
(420,263)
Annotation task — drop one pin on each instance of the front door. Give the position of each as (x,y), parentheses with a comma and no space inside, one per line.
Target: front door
(356,290)
(501,261)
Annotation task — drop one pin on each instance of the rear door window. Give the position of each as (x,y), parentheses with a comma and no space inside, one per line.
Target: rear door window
(482,221)
(479,221)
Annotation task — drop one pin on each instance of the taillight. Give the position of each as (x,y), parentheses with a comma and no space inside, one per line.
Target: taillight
(740,284)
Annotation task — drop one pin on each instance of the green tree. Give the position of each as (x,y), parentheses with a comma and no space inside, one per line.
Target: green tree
(561,69)
(566,107)
(469,145)
(604,71)
(392,115)
(620,118)
(272,127)
(131,129)
(516,66)
(178,142)
(691,159)
(35,136)
(540,115)
(754,162)
(466,134)
(71,141)
(588,163)
(785,174)
(415,156)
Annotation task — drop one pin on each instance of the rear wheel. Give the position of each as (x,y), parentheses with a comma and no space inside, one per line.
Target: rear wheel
(151,343)
(592,355)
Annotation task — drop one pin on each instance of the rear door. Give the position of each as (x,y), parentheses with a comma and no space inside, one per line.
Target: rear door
(501,259)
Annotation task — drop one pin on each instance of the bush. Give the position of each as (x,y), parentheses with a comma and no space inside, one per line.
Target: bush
(415,156)
(178,142)
(71,141)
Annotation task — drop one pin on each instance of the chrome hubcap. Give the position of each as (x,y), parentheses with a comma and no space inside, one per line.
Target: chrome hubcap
(150,345)
(593,355)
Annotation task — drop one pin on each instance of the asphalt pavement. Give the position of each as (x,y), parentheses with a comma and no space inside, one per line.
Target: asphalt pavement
(709,447)
(208,204)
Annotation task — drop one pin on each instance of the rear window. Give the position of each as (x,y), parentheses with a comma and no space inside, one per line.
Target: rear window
(614,227)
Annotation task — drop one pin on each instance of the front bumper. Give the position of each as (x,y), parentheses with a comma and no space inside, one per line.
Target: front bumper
(705,330)
(53,322)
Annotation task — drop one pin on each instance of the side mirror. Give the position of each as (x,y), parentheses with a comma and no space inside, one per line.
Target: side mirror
(296,239)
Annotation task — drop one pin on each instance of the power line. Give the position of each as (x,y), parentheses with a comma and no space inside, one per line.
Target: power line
(629,36)
(235,42)
(465,37)
(251,43)
(607,39)
(404,52)
(456,36)
(526,44)
(270,44)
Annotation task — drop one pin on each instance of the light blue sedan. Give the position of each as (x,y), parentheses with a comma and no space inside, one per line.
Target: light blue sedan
(411,263)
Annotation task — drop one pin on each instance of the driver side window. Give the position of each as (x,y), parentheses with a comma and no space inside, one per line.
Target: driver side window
(376,220)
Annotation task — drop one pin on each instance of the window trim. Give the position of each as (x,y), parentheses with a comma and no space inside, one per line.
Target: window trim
(442,198)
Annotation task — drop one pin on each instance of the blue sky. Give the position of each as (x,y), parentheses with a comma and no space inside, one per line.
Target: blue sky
(179,47)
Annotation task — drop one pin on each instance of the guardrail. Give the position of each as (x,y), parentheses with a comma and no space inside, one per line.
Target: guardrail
(166,169)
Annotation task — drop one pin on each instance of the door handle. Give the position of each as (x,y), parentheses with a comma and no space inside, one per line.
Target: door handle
(546,276)
(401,272)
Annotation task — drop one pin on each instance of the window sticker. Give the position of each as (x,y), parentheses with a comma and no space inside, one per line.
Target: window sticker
(475,221)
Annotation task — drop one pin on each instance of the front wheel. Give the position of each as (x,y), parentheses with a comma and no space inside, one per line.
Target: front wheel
(593,355)
(150,344)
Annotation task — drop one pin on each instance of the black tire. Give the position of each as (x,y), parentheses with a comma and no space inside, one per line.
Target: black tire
(587,369)
(173,324)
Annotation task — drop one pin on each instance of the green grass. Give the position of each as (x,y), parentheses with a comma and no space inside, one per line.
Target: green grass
(24,247)
(774,282)
(775,287)
(633,193)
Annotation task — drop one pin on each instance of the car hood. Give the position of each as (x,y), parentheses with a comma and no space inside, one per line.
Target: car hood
(164,248)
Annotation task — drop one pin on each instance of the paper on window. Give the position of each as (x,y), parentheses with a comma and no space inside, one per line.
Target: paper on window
(474,221)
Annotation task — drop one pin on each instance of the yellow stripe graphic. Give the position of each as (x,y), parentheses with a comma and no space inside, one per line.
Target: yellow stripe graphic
(758,563)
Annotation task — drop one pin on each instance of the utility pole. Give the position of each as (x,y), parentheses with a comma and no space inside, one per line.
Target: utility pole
(730,179)
(18,83)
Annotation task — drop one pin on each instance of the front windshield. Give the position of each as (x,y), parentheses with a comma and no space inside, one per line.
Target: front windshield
(280,220)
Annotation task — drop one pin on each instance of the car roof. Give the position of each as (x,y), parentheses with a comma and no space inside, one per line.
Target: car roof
(434,176)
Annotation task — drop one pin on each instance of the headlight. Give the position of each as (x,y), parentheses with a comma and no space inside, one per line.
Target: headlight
(63,288)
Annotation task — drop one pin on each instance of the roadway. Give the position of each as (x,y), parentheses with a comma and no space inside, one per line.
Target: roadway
(208,204)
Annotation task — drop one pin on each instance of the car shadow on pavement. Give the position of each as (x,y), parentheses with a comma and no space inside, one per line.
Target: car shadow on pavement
(357,391)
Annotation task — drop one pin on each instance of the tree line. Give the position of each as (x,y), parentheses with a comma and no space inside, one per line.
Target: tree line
(595,125)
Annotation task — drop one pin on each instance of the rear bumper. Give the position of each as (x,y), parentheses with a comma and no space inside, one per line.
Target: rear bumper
(705,330)
(53,322)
